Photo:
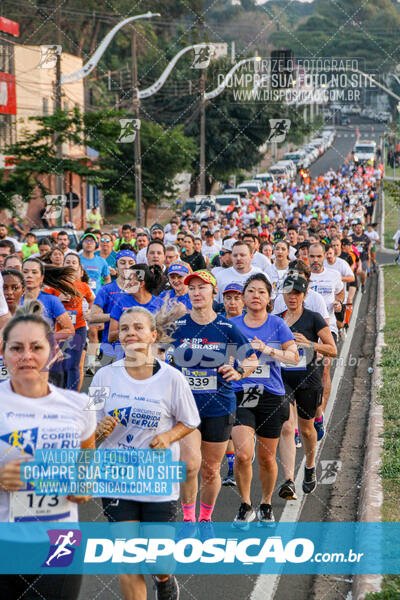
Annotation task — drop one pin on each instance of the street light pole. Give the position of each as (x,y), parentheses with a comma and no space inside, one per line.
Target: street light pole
(204,96)
(58,107)
(137,148)
(202,165)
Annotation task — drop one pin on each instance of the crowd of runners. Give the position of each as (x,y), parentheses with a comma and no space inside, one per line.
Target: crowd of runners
(214,335)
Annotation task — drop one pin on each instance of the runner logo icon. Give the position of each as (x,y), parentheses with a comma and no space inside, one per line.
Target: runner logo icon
(62,547)
(24,439)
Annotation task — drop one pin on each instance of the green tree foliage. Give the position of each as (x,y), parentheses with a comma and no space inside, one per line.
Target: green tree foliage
(166,152)
(348,28)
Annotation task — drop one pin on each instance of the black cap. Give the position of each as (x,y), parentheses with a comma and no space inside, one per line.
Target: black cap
(294,282)
(209,233)
(156,226)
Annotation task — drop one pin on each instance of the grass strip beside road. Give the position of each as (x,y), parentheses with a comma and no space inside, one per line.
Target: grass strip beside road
(389,396)
(391,220)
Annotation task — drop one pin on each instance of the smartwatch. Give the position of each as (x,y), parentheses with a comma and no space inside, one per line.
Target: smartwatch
(240,370)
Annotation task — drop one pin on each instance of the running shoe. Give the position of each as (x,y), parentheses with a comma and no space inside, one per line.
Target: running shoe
(265,514)
(297,439)
(168,589)
(245,514)
(206,530)
(310,480)
(90,370)
(287,491)
(319,428)
(229,480)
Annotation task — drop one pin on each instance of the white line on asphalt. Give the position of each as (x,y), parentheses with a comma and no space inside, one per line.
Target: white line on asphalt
(266,585)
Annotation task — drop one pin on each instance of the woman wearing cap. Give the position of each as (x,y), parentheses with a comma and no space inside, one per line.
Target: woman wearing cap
(303,382)
(107,298)
(140,283)
(233,300)
(204,347)
(177,272)
(261,404)
(149,406)
(191,255)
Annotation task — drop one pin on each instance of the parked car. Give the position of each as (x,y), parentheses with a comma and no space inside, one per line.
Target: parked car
(264,178)
(242,192)
(297,156)
(222,201)
(73,234)
(290,166)
(252,186)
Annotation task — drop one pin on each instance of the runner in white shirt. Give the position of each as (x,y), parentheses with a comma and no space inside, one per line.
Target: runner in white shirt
(40,413)
(209,248)
(239,272)
(149,405)
(338,264)
(277,272)
(329,284)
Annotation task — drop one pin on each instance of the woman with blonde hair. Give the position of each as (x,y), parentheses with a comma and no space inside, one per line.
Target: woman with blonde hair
(149,406)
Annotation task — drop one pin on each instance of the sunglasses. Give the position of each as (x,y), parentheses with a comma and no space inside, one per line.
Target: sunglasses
(106,240)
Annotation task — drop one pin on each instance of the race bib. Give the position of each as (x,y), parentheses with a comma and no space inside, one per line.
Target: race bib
(201,380)
(360,248)
(251,396)
(28,506)
(72,314)
(3,371)
(301,365)
(92,284)
(261,372)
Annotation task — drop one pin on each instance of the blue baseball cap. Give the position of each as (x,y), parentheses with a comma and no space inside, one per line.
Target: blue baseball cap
(233,287)
(182,270)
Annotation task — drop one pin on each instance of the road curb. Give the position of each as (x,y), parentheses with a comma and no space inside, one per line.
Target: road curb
(371,493)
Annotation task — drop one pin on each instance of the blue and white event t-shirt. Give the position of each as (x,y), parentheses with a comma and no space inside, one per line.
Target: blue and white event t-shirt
(57,420)
(126,301)
(145,408)
(97,269)
(198,351)
(274,332)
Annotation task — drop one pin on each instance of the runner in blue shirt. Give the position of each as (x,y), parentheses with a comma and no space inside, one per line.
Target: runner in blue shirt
(261,404)
(176,273)
(142,282)
(204,347)
(95,266)
(106,299)
(36,275)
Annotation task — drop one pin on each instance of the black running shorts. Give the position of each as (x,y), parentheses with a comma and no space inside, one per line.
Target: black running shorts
(118,509)
(267,417)
(216,429)
(307,401)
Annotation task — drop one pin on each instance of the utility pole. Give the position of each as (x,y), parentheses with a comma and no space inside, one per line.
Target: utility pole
(137,152)
(202,165)
(58,106)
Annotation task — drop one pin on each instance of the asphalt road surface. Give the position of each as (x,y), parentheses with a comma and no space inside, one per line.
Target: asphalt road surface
(320,505)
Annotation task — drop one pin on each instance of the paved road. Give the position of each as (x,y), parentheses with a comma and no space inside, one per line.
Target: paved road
(249,587)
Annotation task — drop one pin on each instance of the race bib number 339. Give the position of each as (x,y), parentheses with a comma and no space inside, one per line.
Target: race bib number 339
(201,380)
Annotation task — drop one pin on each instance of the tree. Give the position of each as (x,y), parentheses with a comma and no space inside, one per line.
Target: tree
(166,152)
(36,155)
